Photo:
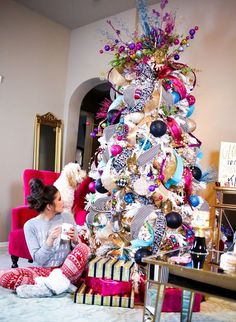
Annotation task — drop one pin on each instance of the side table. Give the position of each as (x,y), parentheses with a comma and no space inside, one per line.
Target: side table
(210,281)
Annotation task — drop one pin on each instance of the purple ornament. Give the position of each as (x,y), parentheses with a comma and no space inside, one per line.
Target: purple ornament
(132,46)
(93,135)
(92,187)
(106,47)
(192,32)
(121,49)
(191,99)
(176,57)
(139,46)
(151,188)
(176,41)
(161,177)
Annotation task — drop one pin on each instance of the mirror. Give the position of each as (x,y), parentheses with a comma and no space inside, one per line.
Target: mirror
(47,142)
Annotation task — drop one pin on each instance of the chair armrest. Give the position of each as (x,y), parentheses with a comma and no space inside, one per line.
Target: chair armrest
(20,215)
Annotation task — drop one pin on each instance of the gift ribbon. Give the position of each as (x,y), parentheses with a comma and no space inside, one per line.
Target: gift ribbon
(176,82)
(178,172)
(198,144)
(175,130)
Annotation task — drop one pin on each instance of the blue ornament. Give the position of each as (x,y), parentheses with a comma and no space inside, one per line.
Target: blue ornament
(190,110)
(129,197)
(194,200)
(176,97)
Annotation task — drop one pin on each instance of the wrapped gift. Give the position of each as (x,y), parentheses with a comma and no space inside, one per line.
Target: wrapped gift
(115,269)
(108,287)
(172,300)
(86,295)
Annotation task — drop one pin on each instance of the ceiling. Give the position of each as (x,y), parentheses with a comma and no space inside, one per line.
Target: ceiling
(76,13)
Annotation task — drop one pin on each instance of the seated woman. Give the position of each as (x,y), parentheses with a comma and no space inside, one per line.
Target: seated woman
(60,263)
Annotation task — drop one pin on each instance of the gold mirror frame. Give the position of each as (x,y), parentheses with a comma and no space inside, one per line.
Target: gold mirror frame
(54,133)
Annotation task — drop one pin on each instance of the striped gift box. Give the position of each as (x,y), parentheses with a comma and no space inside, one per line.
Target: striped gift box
(85,295)
(115,269)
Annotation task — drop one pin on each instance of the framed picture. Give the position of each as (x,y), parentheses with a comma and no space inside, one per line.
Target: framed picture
(227,164)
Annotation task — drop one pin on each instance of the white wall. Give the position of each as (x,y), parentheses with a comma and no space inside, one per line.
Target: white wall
(213,52)
(33,61)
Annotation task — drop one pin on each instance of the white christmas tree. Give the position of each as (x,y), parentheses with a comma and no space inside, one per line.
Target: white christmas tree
(146,171)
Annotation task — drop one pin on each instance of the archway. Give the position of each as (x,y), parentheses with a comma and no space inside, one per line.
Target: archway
(73,118)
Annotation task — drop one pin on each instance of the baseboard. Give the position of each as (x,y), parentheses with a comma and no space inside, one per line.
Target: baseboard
(3,244)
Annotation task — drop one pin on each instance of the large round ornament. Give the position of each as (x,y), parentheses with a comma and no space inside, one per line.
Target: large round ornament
(197,173)
(158,128)
(194,200)
(99,186)
(173,220)
(141,253)
(116,149)
(129,197)
(191,125)
(112,114)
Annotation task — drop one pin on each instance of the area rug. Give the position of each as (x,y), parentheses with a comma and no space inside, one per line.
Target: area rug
(62,309)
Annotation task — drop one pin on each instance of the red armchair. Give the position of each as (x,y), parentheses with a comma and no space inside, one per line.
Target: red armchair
(17,245)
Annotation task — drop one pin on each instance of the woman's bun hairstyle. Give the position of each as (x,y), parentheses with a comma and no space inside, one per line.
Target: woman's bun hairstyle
(40,195)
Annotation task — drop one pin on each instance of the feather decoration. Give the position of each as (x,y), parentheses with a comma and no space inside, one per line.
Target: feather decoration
(210,175)
(102,113)
(143,16)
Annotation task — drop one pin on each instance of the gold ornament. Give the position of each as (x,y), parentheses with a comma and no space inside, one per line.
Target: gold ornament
(191,125)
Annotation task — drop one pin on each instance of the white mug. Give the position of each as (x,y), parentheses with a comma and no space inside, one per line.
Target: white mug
(65,227)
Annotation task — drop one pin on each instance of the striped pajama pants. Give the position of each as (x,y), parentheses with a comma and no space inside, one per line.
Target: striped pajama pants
(72,268)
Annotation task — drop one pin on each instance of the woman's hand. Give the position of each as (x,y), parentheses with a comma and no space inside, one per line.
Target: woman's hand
(54,234)
(73,235)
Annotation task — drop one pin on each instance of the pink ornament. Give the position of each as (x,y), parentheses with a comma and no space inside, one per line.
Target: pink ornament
(116,149)
(191,99)
(92,187)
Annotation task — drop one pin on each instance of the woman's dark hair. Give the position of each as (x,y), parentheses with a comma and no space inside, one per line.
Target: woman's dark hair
(40,195)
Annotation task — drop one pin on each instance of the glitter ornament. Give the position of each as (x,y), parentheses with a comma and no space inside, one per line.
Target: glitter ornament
(194,200)
(116,149)
(158,128)
(191,99)
(173,220)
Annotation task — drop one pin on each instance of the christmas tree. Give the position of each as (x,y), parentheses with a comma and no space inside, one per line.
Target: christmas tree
(146,172)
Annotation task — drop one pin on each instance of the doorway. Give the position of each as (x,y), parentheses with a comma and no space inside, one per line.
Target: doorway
(91,103)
